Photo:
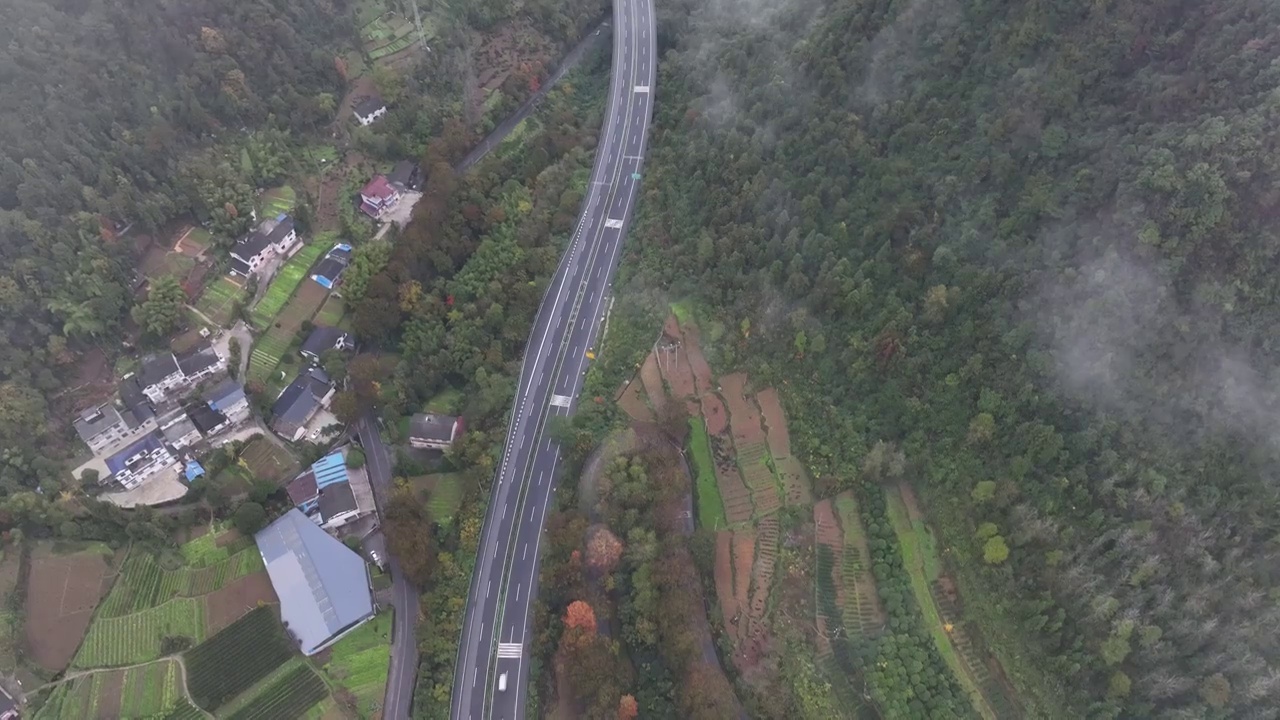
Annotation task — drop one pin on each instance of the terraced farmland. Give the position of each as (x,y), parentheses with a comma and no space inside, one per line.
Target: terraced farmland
(219,299)
(144,584)
(286,281)
(138,637)
(271,347)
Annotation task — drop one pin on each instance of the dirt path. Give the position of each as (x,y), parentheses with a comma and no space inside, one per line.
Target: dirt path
(182,678)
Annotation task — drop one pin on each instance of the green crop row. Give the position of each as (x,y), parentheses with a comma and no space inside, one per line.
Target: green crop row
(233,660)
(285,283)
(290,696)
(144,584)
(142,636)
(710,505)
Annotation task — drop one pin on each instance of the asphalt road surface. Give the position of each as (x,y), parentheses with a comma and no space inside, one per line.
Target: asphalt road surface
(404,642)
(496,630)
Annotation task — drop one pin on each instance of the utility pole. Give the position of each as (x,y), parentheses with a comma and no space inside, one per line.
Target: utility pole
(417,22)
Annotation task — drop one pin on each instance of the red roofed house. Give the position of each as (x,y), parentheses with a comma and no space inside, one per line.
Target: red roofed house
(378,196)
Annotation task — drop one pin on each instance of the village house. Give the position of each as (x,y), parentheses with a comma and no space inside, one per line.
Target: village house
(275,237)
(323,339)
(369,109)
(332,494)
(330,268)
(434,432)
(163,374)
(377,197)
(299,402)
(139,461)
(104,426)
(228,398)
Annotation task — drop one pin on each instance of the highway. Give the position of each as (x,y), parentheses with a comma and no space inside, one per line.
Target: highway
(496,630)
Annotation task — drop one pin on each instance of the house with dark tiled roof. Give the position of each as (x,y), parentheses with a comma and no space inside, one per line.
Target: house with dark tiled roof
(323,339)
(330,493)
(228,398)
(299,402)
(140,460)
(163,374)
(432,431)
(273,237)
(369,109)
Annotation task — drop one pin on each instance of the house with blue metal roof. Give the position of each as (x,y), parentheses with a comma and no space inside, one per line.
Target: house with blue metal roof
(324,492)
(324,587)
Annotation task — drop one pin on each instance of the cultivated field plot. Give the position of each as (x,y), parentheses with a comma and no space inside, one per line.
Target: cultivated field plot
(673,362)
(860,605)
(829,543)
(359,663)
(236,658)
(744,418)
(290,276)
(140,637)
(702,380)
(775,422)
(215,546)
(753,460)
(268,461)
(10,643)
(271,347)
(711,513)
(192,241)
(219,300)
(277,200)
(144,584)
(227,605)
(734,494)
(146,691)
(288,696)
(62,592)
(444,496)
(652,380)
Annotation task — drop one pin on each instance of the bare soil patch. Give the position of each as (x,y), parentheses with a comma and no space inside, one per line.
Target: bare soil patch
(744,548)
(632,401)
(744,418)
(230,537)
(673,362)
(697,361)
(225,606)
(775,422)
(795,481)
(733,492)
(110,689)
(724,581)
(62,592)
(714,413)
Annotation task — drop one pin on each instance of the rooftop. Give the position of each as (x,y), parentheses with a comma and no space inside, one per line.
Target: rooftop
(204,417)
(378,188)
(321,340)
(303,488)
(369,105)
(179,430)
(323,586)
(336,500)
(156,368)
(427,426)
(135,400)
(198,359)
(152,442)
(95,420)
(224,394)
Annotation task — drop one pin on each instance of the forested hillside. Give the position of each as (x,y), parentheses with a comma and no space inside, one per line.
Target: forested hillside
(1031,248)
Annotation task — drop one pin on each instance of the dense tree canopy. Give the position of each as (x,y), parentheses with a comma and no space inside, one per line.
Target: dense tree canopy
(1032,244)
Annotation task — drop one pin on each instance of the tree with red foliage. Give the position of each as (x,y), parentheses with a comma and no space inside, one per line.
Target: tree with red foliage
(628,709)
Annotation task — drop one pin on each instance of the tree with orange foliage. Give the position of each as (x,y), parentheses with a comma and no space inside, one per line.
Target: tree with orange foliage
(580,615)
(604,550)
(627,708)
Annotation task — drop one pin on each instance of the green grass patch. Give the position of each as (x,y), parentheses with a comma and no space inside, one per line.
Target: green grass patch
(199,237)
(285,283)
(359,662)
(138,637)
(393,47)
(913,558)
(205,550)
(219,299)
(331,312)
(444,496)
(683,310)
(711,513)
(446,402)
(268,461)
(277,200)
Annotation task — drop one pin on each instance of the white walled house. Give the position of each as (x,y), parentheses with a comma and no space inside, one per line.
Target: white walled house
(369,110)
(275,237)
